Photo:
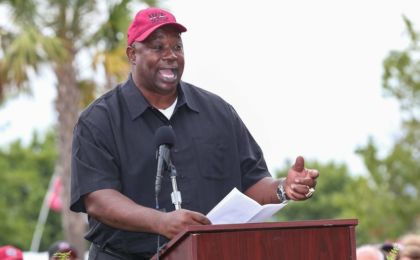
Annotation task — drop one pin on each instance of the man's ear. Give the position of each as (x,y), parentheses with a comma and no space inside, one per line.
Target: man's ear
(131,55)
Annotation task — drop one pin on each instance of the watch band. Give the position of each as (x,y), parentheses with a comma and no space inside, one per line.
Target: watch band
(281,193)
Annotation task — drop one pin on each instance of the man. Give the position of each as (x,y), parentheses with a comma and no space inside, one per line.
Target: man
(410,247)
(9,252)
(369,252)
(114,162)
(62,250)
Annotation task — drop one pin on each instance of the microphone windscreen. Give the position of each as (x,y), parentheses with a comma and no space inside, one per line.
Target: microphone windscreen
(164,135)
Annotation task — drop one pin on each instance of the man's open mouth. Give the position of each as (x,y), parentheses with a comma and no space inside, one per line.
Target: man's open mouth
(169,74)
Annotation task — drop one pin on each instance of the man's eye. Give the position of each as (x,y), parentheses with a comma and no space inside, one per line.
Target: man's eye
(178,47)
(157,47)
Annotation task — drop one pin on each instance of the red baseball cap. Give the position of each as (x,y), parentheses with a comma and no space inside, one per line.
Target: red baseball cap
(10,253)
(147,21)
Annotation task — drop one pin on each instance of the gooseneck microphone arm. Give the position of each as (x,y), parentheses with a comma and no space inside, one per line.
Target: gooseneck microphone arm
(176,194)
(164,140)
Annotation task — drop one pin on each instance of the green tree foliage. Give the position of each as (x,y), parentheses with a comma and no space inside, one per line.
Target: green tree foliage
(395,175)
(385,210)
(25,174)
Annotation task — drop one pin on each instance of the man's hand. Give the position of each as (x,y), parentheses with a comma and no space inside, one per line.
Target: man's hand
(300,182)
(173,222)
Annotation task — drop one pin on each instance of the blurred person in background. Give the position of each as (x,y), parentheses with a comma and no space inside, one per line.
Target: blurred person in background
(390,249)
(410,247)
(10,253)
(62,250)
(369,252)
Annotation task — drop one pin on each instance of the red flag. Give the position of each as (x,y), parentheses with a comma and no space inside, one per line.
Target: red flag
(54,199)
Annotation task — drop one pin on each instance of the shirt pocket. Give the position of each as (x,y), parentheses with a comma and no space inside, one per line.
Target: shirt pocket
(212,158)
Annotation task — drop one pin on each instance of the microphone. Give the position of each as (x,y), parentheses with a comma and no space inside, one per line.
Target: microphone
(164,140)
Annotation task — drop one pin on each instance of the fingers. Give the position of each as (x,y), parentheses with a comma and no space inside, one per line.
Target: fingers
(306,181)
(188,217)
(300,191)
(299,188)
(201,219)
(313,174)
(299,164)
(176,221)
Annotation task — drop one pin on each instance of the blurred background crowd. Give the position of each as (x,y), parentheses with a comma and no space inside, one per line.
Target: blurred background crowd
(60,250)
(407,248)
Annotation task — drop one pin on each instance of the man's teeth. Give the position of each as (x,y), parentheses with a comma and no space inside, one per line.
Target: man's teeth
(168,73)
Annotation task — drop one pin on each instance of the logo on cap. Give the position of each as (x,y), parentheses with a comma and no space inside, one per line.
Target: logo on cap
(158,17)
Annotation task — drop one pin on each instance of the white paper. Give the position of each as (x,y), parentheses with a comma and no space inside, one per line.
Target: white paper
(238,208)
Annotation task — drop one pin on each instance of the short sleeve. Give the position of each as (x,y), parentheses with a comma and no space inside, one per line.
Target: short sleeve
(252,162)
(93,167)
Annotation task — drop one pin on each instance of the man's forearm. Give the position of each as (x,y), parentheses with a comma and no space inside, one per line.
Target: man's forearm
(116,210)
(264,191)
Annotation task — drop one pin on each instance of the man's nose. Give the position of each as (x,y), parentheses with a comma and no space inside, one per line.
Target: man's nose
(170,54)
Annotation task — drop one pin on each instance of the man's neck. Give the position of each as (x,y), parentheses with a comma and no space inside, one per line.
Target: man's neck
(156,99)
(159,101)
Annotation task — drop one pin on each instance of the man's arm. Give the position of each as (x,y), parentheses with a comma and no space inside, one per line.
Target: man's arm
(116,210)
(264,191)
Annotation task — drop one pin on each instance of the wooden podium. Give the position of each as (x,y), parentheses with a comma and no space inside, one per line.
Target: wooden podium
(315,239)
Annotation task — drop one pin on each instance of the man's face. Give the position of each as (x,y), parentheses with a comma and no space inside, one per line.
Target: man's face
(158,61)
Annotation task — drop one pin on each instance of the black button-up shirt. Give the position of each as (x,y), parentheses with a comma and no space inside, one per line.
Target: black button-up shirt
(113,148)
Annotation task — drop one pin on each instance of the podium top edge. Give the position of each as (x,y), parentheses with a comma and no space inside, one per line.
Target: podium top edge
(269,225)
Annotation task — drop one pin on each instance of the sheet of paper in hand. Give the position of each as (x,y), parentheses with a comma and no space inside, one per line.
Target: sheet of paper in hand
(238,208)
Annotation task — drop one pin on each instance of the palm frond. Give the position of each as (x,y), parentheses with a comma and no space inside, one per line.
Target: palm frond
(114,63)
(113,30)
(2,81)
(87,92)
(27,51)
(412,33)
(21,54)
(6,38)
(54,49)
(23,11)
(82,11)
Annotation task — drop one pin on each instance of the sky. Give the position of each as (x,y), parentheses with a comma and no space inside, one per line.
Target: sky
(305,76)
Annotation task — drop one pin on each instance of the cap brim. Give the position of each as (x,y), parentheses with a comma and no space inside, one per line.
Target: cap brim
(146,34)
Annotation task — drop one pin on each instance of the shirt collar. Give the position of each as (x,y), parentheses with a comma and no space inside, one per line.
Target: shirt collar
(137,104)
(185,97)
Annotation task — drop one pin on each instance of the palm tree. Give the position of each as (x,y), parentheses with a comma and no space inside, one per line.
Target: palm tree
(52,33)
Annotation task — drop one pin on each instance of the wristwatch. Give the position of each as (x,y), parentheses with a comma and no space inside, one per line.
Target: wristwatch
(281,193)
